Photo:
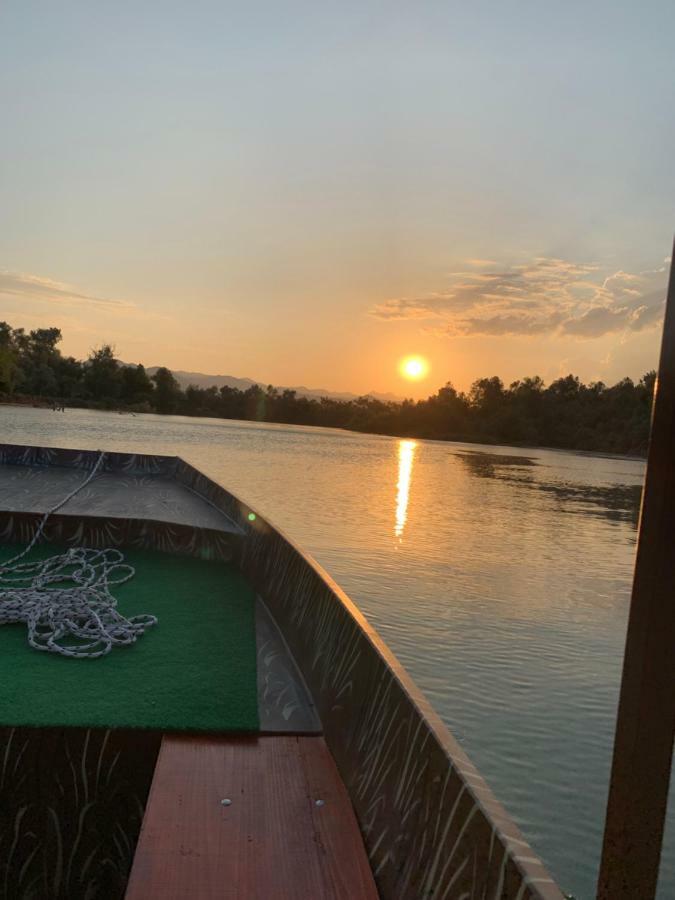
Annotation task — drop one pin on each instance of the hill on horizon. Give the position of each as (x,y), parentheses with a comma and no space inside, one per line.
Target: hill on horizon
(202,380)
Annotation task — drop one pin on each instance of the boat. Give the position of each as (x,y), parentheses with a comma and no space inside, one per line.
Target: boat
(259,741)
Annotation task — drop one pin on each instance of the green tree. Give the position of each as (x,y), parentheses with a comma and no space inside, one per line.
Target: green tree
(167,391)
(137,388)
(69,375)
(38,358)
(102,375)
(487,393)
(9,364)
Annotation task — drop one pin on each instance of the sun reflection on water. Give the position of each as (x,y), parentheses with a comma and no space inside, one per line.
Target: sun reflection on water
(406,455)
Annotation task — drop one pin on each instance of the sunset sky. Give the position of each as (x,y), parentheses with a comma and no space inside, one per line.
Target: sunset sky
(304,193)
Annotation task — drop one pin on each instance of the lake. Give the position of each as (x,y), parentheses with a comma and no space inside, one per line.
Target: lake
(500,577)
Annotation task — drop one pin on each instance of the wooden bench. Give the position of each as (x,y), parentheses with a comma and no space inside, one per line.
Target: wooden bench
(289,830)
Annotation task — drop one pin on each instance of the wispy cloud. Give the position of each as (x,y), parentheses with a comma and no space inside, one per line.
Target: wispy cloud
(14,284)
(544,296)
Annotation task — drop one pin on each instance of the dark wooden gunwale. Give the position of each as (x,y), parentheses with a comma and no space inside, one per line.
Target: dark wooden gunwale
(431,825)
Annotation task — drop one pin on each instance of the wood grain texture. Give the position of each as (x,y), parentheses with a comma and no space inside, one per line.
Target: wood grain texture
(273,841)
(645,728)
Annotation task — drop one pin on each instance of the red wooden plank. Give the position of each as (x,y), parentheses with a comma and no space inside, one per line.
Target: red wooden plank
(272,841)
(345,866)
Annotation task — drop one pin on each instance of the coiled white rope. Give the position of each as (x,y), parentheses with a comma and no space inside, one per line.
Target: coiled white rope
(81,608)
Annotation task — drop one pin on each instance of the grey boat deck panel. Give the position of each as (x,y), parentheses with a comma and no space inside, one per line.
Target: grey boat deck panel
(124,495)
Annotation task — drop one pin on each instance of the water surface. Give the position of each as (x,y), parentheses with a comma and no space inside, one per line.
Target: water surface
(500,577)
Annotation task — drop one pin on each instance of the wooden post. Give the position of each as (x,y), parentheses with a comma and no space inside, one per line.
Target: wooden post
(643,746)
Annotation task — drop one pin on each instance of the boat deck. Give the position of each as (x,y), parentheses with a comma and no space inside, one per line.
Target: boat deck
(112,495)
(287,829)
(142,501)
(430,825)
(216,661)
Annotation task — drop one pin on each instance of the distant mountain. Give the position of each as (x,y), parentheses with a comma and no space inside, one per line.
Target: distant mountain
(199,379)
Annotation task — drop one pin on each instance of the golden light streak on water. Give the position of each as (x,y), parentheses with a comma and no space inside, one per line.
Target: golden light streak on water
(406,455)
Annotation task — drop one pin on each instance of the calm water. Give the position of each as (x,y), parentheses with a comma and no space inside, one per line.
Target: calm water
(499,577)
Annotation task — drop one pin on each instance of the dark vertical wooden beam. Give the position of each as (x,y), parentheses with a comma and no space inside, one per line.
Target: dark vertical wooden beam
(645,727)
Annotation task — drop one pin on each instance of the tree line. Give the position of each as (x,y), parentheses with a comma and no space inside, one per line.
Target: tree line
(567,413)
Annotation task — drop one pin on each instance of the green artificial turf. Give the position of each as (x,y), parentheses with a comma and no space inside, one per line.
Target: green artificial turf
(195,670)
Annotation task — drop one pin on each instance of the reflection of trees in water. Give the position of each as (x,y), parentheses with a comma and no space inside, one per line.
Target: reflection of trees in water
(487,465)
(617,502)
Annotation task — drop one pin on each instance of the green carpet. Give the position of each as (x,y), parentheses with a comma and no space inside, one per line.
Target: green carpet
(195,670)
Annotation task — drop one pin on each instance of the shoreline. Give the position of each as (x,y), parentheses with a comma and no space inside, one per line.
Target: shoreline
(598,454)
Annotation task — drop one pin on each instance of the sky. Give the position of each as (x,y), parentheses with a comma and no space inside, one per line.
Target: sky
(304,193)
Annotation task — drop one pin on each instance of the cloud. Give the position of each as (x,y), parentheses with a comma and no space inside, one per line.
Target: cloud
(13,284)
(595,322)
(507,325)
(433,306)
(543,296)
(648,314)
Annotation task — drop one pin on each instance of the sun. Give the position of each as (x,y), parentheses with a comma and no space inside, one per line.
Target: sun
(414,368)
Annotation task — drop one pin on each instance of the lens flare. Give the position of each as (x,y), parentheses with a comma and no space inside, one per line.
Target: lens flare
(414,368)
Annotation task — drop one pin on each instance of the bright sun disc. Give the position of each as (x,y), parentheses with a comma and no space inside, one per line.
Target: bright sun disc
(414,367)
